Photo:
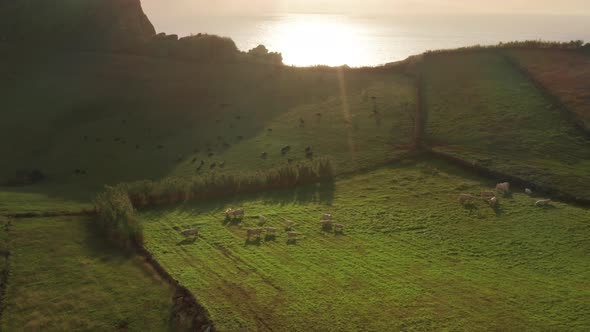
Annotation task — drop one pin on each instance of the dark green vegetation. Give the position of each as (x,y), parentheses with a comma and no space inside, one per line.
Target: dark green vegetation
(101,119)
(410,257)
(482,109)
(65,277)
(74,24)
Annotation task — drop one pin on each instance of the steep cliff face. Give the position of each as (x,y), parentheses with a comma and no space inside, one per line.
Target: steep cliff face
(88,24)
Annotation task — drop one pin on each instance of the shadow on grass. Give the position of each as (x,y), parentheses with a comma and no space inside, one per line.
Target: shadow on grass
(101,246)
(187,241)
(498,211)
(232,221)
(253,241)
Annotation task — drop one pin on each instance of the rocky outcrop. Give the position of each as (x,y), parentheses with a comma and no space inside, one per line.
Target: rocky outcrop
(87,24)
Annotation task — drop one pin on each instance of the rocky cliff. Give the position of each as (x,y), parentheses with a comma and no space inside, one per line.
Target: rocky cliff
(87,24)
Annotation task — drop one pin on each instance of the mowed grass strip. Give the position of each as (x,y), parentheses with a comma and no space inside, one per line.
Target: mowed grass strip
(483,110)
(564,73)
(410,258)
(65,277)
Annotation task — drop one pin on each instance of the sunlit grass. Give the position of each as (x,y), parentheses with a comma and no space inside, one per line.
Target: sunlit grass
(409,252)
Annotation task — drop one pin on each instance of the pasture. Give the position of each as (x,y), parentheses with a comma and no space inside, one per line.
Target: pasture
(410,257)
(481,109)
(100,119)
(564,73)
(64,276)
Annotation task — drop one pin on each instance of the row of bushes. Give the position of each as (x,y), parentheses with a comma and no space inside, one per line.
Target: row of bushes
(527,44)
(117,217)
(116,206)
(176,190)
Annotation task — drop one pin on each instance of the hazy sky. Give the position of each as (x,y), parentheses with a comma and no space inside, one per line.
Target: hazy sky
(159,9)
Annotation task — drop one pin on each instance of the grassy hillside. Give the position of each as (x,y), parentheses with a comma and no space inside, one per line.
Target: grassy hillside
(123,118)
(63,276)
(564,73)
(410,258)
(482,109)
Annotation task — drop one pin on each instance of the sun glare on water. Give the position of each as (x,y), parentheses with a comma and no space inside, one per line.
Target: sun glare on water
(306,40)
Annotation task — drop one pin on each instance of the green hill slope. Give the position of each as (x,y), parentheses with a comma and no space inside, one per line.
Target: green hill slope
(565,75)
(123,118)
(485,111)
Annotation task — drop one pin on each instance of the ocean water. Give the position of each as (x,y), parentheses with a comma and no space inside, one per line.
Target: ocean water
(312,39)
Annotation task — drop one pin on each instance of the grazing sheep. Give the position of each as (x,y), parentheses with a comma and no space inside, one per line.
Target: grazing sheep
(308,149)
(493,202)
(326,216)
(191,232)
(213,165)
(194,160)
(326,224)
(466,198)
(264,155)
(231,213)
(338,228)
(254,232)
(292,236)
(543,202)
(270,230)
(503,187)
(222,164)
(261,220)
(488,194)
(285,150)
(528,191)
(289,225)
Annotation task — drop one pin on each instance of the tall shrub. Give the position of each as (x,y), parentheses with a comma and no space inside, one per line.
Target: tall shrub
(116,216)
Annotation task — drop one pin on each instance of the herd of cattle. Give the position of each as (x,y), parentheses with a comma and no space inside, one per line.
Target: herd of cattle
(492,199)
(326,223)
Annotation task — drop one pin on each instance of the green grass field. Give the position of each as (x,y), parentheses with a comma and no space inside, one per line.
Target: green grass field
(410,258)
(65,277)
(563,73)
(483,110)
